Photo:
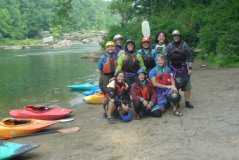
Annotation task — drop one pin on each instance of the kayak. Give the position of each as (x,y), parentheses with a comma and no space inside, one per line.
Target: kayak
(83,87)
(11,127)
(92,91)
(97,98)
(9,150)
(41,112)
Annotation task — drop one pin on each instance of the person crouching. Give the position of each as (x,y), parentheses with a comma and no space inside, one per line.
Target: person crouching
(163,79)
(118,105)
(144,96)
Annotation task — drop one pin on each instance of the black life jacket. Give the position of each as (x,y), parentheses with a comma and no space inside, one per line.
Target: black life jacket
(131,63)
(149,61)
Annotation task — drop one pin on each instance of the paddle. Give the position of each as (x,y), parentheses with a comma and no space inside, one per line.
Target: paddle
(61,131)
(65,120)
(145,28)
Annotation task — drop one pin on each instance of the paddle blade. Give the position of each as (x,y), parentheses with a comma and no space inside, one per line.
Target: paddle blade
(65,120)
(145,28)
(69,130)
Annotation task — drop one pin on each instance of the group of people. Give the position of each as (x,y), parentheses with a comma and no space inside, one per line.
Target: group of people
(145,82)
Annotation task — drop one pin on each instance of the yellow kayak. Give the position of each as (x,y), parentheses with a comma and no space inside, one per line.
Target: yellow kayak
(97,98)
(11,127)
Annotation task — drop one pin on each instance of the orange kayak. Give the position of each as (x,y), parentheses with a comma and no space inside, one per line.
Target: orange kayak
(97,98)
(11,127)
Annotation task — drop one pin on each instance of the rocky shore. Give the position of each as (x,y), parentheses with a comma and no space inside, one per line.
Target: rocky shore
(68,39)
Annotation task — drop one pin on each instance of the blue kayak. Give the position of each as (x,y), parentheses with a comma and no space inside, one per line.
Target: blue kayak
(83,87)
(9,150)
(92,91)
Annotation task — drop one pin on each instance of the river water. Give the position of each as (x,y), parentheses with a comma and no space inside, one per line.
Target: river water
(41,76)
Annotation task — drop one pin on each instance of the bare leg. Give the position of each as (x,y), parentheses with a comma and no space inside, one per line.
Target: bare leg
(188,95)
(110,109)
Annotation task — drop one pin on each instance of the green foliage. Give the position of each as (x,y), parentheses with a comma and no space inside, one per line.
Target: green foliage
(27,18)
(30,42)
(211,25)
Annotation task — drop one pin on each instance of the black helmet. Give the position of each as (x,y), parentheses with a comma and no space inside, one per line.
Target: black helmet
(128,42)
(174,97)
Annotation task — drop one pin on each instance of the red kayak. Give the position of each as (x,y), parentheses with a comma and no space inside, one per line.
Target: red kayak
(41,112)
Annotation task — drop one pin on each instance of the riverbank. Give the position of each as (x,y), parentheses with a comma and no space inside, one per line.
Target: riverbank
(67,39)
(209,131)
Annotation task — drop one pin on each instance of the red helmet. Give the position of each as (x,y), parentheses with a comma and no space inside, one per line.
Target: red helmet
(146,39)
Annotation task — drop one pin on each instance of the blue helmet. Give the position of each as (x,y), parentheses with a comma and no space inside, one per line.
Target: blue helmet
(127,117)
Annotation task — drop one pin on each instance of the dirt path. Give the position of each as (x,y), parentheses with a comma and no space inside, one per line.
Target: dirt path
(207,132)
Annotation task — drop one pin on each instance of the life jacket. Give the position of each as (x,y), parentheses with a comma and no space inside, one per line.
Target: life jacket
(120,88)
(130,64)
(109,66)
(149,60)
(145,92)
(164,78)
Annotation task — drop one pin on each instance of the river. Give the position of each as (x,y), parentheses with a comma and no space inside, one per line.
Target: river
(41,76)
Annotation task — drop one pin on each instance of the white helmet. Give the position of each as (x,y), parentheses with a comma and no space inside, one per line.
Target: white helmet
(117,36)
(176,33)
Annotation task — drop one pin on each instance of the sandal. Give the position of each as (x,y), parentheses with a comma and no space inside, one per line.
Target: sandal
(111,120)
(178,113)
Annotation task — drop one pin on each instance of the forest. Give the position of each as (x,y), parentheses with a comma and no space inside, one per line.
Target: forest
(209,25)
(212,26)
(21,19)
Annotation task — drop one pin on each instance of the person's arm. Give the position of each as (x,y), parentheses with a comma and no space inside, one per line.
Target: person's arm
(120,62)
(110,89)
(101,63)
(189,58)
(141,61)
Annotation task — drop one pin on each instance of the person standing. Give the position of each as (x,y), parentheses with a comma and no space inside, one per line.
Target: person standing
(118,39)
(129,62)
(107,65)
(161,42)
(179,54)
(147,53)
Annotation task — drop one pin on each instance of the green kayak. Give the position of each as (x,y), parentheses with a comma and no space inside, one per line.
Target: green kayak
(9,150)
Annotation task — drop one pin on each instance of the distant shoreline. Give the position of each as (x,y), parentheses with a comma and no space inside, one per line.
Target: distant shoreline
(74,37)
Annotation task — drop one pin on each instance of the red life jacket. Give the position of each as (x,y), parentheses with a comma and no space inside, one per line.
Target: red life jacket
(120,88)
(164,78)
(145,93)
(109,66)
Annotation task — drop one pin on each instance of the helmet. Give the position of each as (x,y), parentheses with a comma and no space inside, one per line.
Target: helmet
(117,36)
(174,97)
(141,70)
(176,33)
(109,43)
(145,39)
(130,41)
(127,116)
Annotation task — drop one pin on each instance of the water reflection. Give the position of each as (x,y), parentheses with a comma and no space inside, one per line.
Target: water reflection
(41,75)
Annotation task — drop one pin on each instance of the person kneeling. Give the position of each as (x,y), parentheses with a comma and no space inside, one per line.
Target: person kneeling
(118,105)
(144,96)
